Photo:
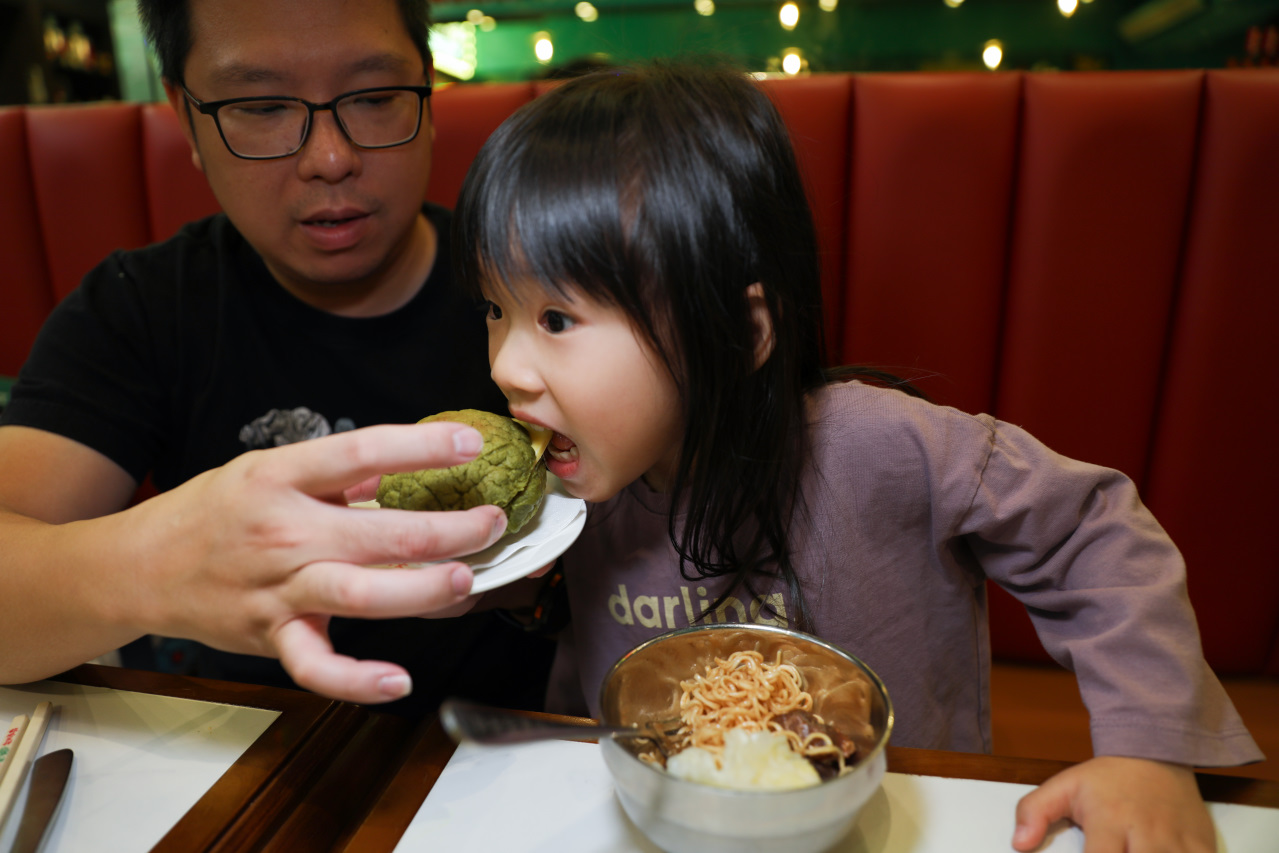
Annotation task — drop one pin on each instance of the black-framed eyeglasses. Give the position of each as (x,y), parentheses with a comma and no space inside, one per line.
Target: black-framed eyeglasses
(270,128)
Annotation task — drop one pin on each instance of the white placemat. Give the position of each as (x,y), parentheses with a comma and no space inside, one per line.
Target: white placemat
(141,761)
(557,797)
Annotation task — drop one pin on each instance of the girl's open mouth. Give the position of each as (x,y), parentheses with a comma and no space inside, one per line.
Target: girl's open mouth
(562,449)
(562,458)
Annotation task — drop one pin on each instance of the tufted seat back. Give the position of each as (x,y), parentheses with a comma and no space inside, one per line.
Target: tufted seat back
(1088,255)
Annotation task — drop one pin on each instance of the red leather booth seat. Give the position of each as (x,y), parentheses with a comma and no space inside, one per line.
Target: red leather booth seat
(1089,255)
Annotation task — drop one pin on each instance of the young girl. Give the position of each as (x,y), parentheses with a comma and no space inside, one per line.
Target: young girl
(649,264)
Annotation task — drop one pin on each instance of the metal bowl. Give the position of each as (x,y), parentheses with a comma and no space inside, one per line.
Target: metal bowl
(687,817)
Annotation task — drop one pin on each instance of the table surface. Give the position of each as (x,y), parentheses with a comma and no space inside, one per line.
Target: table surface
(395,808)
(304,785)
(330,776)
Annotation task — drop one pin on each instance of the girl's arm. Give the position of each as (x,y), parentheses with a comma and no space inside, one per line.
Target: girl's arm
(1106,590)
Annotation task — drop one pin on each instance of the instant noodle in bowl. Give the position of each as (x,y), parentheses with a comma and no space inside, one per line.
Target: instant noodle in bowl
(753,795)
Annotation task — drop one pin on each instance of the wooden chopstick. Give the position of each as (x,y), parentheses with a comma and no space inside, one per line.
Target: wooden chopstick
(26,742)
(12,736)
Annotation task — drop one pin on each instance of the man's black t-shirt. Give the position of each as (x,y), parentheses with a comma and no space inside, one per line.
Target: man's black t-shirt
(173,359)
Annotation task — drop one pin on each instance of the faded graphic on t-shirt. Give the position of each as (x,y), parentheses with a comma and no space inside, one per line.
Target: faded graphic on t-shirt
(287,426)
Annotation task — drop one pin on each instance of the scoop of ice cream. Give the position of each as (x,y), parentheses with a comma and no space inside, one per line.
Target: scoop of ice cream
(752,761)
(507,473)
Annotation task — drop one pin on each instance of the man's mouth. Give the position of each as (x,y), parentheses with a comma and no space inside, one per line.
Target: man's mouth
(336,229)
(331,223)
(332,217)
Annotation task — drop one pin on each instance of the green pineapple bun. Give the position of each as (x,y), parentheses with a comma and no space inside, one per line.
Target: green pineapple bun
(507,473)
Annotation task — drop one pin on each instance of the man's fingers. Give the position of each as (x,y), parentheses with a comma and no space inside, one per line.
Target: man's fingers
(307,655)
(331,464)
(296,510)
(363,491)
(462,608)
(368,536)
(389,536)
(329,469)
(340,589)
(542,571)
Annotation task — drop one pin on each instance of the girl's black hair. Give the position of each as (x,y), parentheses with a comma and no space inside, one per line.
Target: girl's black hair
(667,190)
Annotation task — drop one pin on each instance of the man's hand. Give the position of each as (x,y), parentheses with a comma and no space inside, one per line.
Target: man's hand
(256,556)
(1123,805)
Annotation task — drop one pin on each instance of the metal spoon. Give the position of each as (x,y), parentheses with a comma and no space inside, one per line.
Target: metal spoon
(467,721)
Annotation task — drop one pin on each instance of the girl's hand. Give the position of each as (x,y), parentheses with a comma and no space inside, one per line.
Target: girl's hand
(1123,805)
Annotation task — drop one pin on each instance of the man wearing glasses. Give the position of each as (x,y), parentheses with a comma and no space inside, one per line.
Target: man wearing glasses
(317,304)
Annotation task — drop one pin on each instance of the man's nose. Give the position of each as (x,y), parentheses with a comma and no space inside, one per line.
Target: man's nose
(327,153)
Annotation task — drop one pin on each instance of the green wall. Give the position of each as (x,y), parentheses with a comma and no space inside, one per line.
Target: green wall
(859,35)
(894,35)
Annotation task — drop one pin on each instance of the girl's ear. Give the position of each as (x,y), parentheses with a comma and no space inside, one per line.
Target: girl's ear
(762,322)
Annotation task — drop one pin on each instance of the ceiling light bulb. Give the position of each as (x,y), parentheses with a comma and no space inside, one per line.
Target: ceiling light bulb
(789,16)
(992,54)
(542,48)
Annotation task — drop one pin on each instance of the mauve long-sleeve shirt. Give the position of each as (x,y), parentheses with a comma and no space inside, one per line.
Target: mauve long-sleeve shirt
(911,508)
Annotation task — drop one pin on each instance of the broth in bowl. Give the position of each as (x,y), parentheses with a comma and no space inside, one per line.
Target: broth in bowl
(749,724)
(717,684)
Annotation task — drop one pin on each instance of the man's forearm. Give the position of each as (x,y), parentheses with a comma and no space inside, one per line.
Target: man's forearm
(62,605)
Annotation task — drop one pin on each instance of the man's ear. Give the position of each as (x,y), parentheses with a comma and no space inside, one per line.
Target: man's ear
(762,321)
(430,114)
(182,109)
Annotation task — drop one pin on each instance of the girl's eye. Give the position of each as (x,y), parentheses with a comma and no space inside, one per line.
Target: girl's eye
(557,322)
(492,310)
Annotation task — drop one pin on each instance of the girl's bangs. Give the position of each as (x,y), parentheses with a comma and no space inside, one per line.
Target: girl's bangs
(552,213)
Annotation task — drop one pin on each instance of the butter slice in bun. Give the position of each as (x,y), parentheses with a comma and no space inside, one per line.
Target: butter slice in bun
(540,436)
(508,472)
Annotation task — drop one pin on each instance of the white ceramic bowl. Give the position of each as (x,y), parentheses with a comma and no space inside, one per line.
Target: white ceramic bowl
(686,817)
